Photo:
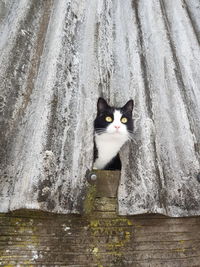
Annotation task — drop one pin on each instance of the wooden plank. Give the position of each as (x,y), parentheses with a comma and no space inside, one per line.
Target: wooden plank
(107,183)
(57,58)
(38,238)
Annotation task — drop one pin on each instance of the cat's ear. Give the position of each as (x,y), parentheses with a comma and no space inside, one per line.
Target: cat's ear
(102,105)
(128,107)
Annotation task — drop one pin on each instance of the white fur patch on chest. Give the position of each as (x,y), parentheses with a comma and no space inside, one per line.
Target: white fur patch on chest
(109,143)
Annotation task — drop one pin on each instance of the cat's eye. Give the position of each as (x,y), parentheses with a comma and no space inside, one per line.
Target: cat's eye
(108,119)
(124,120)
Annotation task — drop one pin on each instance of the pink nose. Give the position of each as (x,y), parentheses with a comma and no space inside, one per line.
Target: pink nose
(117,127)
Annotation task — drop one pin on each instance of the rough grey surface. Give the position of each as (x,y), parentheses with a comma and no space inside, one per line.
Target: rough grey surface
(57,58)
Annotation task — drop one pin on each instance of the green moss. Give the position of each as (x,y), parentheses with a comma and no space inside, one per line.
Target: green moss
(179,250)
(19,228)
(95,251)
(94,223)
(89,200)
(117,232)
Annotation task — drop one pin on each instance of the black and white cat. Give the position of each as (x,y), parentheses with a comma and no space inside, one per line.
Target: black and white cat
(113,127)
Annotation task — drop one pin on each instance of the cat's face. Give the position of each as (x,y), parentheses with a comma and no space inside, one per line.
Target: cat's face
(114,121)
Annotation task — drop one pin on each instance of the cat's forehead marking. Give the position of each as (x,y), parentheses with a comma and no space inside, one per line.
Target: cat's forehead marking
(117,115)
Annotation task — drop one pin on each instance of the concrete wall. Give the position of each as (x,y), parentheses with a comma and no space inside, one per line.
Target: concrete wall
(57,58)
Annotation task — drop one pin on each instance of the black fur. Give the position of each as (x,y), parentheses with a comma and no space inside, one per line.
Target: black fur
(115,164)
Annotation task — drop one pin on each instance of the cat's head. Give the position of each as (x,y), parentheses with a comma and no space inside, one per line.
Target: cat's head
(114,121)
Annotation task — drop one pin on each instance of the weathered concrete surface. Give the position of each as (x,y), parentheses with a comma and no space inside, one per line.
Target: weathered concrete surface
(161,175)
(57,58)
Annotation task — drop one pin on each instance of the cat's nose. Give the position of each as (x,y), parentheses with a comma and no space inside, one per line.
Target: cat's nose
(117,126)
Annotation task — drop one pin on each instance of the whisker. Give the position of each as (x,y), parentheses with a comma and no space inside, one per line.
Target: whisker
(133,141)
(130,137)
(99,130)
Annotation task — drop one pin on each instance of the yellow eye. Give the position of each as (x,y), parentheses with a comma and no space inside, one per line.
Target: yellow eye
(108,119)
(124,120)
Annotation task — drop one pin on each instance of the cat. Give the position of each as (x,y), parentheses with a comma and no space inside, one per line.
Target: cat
(113,127)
